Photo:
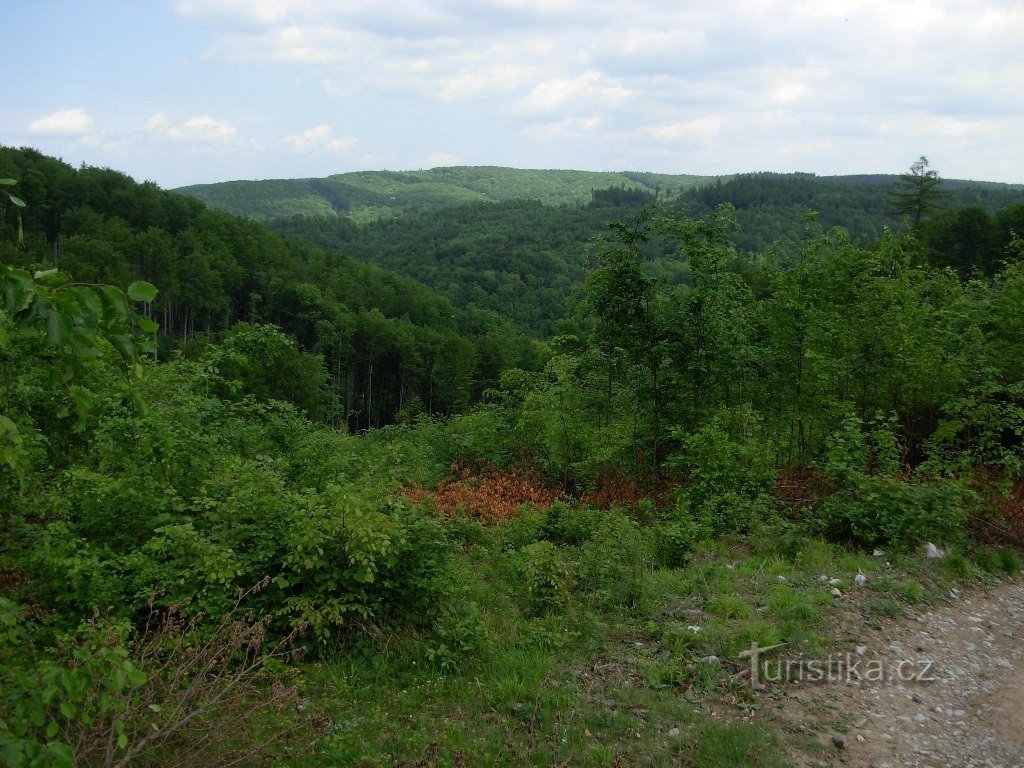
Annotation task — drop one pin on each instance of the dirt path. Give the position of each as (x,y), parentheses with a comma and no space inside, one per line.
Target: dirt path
(966,709)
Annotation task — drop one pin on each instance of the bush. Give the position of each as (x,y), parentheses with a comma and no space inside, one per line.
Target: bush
(571,525)
(459,633)
(615,563)
(728,472)
(171,696)
(547,577)
(875,505)
(675,540)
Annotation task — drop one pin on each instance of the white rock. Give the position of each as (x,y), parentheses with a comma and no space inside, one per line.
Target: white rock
(878,553)
(860,650)
(836,592)
(710,659)
(673,733)
(833,582)
(932,552)
(860,579)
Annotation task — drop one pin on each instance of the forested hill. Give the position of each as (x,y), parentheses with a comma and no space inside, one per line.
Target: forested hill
(371,344)
(773,205)
(770,205)
(370,195)
(526,260)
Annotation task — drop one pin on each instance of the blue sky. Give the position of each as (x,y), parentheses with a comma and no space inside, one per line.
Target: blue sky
(191,91)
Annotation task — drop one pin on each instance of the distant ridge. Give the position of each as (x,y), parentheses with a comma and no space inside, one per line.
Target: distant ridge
(371,195)
(364,196)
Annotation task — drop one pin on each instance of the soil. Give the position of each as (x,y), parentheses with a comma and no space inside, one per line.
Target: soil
(963,707)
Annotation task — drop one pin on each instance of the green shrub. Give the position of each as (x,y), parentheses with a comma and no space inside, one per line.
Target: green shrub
(879,510)
(876,505)
(675,539)
(728,470)
(525,528)
(547,577)
(615,563)
(168,694)
(459,633)
(571,524)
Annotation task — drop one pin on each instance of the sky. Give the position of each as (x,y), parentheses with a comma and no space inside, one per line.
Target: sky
(193,91)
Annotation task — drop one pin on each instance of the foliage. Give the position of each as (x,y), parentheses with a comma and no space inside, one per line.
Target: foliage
(694,394)
(490,495)
(876,505)
(918,193)
(728,473)
(547,577)
(102,698)
(384,340)
(614,563)
(368,195)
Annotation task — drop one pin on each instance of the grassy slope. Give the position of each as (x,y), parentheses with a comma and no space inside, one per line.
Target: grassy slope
(594,682)
(368,195)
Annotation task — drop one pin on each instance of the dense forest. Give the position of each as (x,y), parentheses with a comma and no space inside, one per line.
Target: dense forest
(365,196)
(385,344)
(264,501)
(526,261)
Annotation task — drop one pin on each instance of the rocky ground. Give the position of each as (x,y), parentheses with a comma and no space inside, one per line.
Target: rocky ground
(953,693)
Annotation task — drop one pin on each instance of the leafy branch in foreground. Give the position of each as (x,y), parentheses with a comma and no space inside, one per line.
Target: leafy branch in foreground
(175,695)
(76,319)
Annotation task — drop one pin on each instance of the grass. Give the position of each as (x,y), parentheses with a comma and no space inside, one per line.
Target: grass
(590,682)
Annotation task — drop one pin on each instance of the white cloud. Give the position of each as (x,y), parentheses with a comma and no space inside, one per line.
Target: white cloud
(685,86)
(589,89)
(307,140)
(485,81)
(201,129)
(341,145)
(316,139)
(249,12)
(68,121)
(700,129)
(156,122)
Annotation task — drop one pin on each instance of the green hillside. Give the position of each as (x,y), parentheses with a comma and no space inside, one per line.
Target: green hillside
(526,261)
(370,195)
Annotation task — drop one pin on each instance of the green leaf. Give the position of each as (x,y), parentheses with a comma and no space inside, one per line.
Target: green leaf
(62,754)
(146,325)
(83,342)
(114,299)
(19,290)
(87,300)
(140,290)
(141,406)
(124,344)
(67,709)
(50,277)
(83,401)
(17,201)
(58,327)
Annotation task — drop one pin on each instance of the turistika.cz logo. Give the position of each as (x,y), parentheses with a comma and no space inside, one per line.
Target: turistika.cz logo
(835,669)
